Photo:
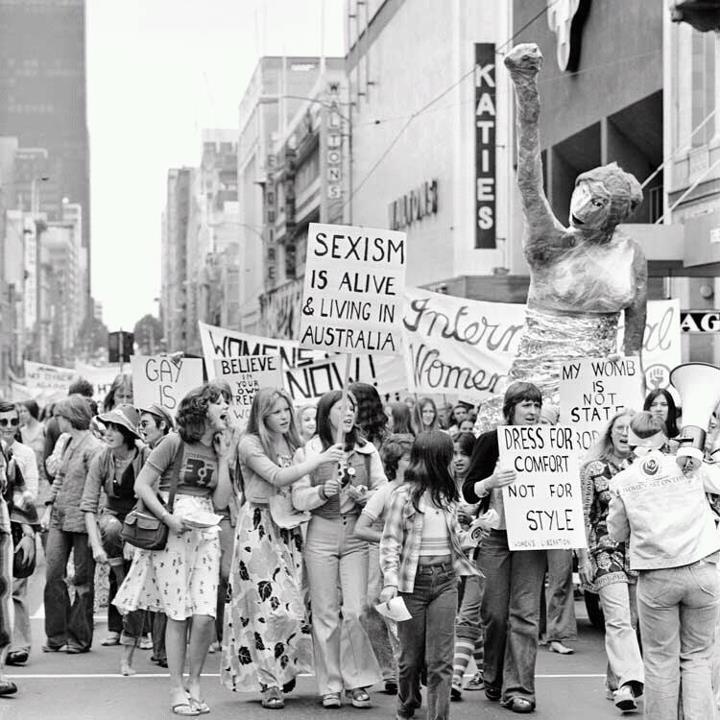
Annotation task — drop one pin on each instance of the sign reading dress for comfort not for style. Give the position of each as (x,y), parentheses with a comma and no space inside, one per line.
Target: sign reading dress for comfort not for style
(354,289)
(543,507)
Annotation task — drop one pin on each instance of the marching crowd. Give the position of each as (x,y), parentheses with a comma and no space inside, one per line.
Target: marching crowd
(298,544)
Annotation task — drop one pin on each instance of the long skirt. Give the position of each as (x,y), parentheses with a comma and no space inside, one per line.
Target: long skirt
(182,579)
(266,640)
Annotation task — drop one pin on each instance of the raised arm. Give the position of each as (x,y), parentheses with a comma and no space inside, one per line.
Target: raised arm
(636,312)
(524,62)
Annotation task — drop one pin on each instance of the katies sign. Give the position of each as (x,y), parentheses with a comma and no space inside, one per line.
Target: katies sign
(485,118)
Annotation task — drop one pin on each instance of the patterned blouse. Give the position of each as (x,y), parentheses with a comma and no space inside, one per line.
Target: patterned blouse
(609,558)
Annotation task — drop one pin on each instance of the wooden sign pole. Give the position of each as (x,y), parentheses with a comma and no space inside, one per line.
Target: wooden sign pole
(339,433)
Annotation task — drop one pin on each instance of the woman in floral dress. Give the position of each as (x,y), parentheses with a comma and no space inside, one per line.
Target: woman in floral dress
(181,580)
(267,639)
(604,567)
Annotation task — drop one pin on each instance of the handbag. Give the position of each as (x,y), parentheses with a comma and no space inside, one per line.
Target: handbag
(142,528)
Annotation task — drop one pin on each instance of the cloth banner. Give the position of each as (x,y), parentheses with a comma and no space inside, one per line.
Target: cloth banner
(307,374)
(47,383)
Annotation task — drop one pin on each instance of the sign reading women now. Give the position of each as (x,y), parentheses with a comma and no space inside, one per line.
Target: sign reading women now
(354,290)
(543,507)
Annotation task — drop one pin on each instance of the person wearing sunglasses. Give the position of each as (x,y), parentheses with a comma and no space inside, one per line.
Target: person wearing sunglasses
(69,628)
(155,423)
(112,473)
(25,478)
(7,687)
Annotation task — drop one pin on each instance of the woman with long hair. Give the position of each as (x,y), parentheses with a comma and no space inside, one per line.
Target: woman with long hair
(120,392)
(421,559)
(399,419)
(334,557)
(181,579)
(425,416)
(661,404)
(112,474)
(267,634)
(370,415)
(306,421)
(605,567)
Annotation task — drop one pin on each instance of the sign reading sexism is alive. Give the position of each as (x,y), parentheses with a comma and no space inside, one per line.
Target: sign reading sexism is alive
(246,375)
(594,390)
(354,290)
(164,380)
(543,507)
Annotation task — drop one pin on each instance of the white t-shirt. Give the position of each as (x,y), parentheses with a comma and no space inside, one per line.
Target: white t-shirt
(379,503)
(27,462)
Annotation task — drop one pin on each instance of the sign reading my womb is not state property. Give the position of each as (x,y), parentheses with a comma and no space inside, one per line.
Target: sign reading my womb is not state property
(594,390)
(354,288)
(246,375)
(543,507)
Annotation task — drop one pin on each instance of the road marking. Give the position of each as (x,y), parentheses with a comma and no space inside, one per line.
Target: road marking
(117,676)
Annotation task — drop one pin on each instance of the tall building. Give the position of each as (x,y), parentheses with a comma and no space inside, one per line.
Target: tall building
(278,88)
(43,101)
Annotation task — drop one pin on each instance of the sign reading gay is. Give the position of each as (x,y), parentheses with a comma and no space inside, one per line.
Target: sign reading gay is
(354,289)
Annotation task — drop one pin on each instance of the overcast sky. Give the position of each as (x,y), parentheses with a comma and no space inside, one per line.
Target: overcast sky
(159,71)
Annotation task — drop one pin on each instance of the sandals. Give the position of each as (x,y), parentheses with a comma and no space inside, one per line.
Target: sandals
(272,699)
(359,698)
(185,707)
(331,700)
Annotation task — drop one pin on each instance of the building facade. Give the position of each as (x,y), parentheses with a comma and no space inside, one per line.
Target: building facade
(43,100)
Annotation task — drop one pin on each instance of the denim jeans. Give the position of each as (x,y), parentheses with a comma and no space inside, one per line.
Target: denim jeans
(678,610)
(382,631)
(21,638)
(621,644)
(428,638)
(559,595)
(65,623)
(336,562)
(510,613)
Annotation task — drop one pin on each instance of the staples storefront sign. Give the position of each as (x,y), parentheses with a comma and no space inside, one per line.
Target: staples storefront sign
(414,206)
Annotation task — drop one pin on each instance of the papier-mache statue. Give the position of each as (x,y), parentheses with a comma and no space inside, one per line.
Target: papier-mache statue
(581,277)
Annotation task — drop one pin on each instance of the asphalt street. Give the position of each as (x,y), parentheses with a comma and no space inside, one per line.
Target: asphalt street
(80,687)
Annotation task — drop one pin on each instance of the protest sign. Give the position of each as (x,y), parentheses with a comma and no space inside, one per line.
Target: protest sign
(543,507)
(164,380)
(100,376)
(353,292)
(594,390)
(47,383)
(459,346)
(307,373)
(246,375)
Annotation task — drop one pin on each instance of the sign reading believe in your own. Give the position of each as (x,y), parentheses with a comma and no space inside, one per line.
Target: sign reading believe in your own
(246,375)
(543,507)
(164,380)
(593,391)
(354,290)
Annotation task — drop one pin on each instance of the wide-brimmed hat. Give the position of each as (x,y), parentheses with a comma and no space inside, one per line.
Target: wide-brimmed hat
(126,416)
(160,413)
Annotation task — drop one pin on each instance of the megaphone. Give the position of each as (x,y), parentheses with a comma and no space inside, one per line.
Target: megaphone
(698,385)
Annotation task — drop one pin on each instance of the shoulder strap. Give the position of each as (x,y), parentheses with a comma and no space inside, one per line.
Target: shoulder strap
(175,472)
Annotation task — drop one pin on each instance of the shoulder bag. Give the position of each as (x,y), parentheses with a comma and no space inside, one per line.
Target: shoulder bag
(142,528)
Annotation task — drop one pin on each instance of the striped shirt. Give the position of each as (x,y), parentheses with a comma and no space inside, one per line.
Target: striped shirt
(401,539)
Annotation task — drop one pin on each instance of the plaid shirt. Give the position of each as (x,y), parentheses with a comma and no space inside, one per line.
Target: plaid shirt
(400,543)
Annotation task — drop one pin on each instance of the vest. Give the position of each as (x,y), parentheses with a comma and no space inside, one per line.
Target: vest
(360,463)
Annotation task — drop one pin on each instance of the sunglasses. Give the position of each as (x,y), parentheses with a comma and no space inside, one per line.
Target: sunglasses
(13,422)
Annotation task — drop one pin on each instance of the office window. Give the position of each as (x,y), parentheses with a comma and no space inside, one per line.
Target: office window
(703,87)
